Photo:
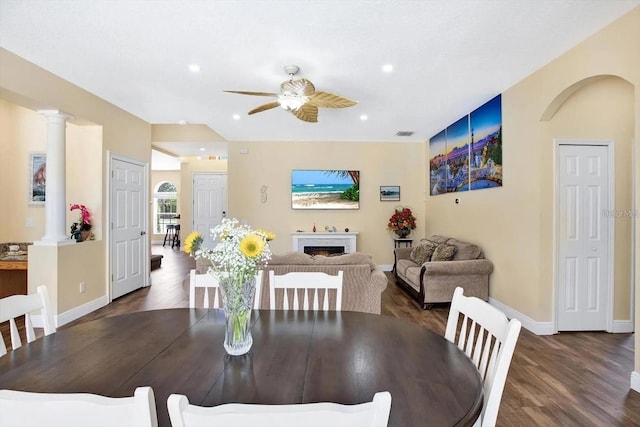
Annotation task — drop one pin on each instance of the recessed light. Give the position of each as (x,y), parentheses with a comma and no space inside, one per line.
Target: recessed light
(387,68)
(183,122)
(364,117)
(203,149)
(236,117)
(194,68)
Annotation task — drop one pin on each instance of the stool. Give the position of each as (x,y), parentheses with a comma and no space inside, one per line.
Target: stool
(176,237)
(170,234)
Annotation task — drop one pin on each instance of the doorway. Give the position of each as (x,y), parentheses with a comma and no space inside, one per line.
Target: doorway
(128,196)
(584,235)
(209,203)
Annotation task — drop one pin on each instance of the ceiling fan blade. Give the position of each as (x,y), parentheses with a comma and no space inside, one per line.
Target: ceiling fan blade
(265,107)
(244,92)
(301,87)
(330,100)
(307,113)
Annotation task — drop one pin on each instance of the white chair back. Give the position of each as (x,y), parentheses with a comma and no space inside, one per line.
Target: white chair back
(27,409)
(14,306)
(488,338)
(369,414)
(210,282)
(309,283)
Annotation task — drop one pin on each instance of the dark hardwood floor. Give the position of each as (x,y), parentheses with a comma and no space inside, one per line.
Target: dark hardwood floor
(569,379)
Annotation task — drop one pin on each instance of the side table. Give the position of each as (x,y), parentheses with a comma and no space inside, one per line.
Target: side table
(407,243)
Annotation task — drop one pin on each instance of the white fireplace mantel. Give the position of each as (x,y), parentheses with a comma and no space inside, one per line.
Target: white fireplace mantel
(325,238)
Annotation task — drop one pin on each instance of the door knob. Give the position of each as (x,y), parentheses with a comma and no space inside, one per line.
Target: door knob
(594,249)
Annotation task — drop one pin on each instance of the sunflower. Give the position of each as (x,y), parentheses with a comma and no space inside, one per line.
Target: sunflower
(252,245)
(192,242)
(269,235)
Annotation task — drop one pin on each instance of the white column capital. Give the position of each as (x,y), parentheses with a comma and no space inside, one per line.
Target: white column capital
(56,114)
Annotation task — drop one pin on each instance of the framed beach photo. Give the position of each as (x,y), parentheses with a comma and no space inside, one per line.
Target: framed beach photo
(37,179)
(325,189)
(389,193)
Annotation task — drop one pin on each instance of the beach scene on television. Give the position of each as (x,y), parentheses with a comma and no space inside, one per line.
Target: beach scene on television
(325,189)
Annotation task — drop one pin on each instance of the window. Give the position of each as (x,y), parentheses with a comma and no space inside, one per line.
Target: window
(165,207)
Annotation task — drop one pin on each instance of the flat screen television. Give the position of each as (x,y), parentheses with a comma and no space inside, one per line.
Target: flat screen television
(325,189)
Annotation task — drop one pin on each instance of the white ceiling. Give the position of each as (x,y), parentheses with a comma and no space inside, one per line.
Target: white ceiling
(449,57)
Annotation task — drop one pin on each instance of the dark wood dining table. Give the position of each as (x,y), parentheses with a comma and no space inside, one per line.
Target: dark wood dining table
(296,357)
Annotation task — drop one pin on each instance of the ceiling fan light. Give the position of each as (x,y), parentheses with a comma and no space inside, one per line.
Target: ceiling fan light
(291,102)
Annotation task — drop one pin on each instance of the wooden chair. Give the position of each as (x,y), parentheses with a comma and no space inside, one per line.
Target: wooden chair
(208,281)
(369,414)
(309,282)
(490,352)
(14,306)
(27,409)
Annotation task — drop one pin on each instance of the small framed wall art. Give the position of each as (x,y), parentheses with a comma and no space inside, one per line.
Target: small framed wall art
(37,179)
(389,193)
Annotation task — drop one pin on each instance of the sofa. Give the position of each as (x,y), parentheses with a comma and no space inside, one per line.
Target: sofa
(362,285)
(430,271)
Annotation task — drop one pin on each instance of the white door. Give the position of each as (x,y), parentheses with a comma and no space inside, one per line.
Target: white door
(128,227)
(583,238)
(209,203)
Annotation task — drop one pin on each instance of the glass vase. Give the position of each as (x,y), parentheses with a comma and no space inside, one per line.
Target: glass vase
(237,301)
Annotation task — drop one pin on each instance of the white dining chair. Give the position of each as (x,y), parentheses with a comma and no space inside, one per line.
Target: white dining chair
(29,409)
(309,283)
(15,306)
(488,338)
(369,414)
(210,283)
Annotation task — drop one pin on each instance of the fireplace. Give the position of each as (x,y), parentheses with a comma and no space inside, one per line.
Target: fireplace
(324,250)
(345,241)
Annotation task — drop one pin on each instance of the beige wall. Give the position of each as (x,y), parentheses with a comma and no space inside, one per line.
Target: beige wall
(270,164)
(29,86)
(514,224)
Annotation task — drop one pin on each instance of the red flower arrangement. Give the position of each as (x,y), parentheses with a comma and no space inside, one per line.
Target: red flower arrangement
(402,222)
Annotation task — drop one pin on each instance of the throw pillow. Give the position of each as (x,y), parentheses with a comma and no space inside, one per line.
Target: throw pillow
(422,252)
(443,252)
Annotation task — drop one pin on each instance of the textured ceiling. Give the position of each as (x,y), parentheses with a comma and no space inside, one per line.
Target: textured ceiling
(449,56)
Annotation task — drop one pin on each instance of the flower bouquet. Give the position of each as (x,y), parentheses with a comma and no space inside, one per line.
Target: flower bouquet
(402,222)
(81,229)
(235,260)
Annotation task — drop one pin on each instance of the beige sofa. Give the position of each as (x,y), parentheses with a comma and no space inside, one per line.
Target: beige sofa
(363,281)
(434,280)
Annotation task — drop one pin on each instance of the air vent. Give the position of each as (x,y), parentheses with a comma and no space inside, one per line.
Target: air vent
(404,133)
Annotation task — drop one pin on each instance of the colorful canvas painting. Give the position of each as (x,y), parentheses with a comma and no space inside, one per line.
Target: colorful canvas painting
(325,189)
(486,145)
(37,178)
(458,155)
(438,163)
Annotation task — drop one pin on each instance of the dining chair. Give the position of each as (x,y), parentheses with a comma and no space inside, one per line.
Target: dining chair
(29,409)
(309,283)
(15,306)
(491,353)
(368,414)
(209,281)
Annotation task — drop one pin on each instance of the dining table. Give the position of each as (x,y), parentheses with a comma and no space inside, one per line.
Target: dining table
(296,357)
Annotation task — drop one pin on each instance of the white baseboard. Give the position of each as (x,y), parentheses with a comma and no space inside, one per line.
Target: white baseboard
(73,314)
(386,267)
(622,327)
(538,328)
(635,381)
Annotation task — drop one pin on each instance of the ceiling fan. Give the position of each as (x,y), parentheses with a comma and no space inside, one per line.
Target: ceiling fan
(299,97)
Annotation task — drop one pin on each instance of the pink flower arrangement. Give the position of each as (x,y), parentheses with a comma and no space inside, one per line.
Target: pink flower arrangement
(84,223)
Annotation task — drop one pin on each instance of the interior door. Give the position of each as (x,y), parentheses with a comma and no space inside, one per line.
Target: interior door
(583,233)
(128,227)
(209,203)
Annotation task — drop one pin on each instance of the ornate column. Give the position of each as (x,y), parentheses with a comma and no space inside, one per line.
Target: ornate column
(55,199)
